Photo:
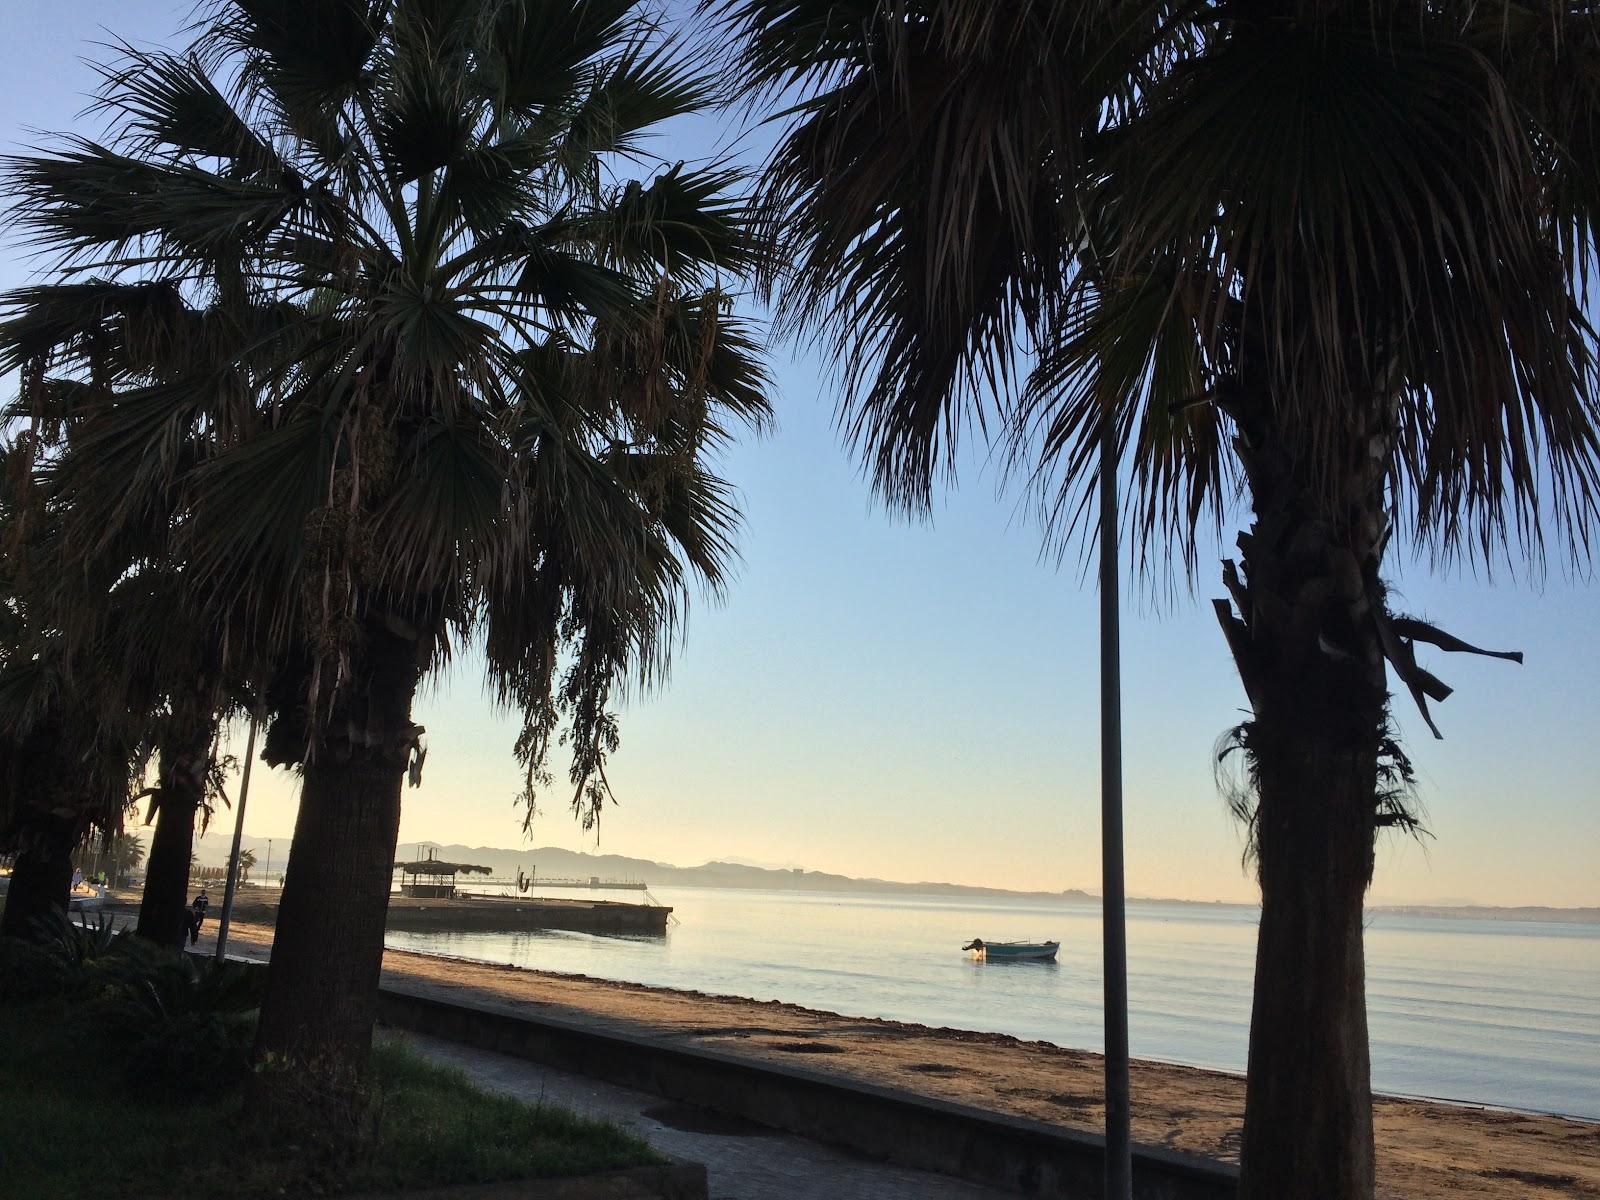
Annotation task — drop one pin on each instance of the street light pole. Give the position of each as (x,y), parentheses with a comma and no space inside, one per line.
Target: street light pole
(238,836)
(1114,933)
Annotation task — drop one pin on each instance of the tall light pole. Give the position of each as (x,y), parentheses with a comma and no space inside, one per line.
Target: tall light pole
(1113,910)
(238,835)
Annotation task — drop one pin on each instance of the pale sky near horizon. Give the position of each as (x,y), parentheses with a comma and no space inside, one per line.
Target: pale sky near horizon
(919,701)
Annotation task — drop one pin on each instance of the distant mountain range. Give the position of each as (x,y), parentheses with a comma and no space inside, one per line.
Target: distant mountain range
(552,862)
(1493,912)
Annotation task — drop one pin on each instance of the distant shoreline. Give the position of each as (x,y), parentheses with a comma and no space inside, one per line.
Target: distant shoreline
(1492,912)
(1466,912)
(554,862)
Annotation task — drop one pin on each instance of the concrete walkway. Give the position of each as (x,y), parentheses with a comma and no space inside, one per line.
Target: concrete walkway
(744,1161)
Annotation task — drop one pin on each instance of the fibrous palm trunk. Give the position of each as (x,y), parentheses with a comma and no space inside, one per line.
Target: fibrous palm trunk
(1308,1106)
(1308,648)
(185,760)
(41,876)
(315,1032)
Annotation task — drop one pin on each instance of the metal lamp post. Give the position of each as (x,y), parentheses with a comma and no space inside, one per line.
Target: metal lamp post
(1114,933)
(238,835)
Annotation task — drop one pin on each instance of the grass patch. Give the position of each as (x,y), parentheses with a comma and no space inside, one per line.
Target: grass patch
(433,1123)
(72,1125)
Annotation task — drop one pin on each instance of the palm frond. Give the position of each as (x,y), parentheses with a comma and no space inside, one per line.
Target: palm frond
(920,195)
(1348,202)
(686,224)
(89,205)
(309,59)
(373,355)
(539,53)
(645,84)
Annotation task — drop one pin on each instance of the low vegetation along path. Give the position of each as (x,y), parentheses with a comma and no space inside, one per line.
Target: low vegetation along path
(1425,1150)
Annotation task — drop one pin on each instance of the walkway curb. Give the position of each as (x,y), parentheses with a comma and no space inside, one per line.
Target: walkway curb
(681,1181)
(1022,1155)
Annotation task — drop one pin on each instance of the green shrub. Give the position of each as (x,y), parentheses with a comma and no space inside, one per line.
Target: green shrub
(28,972)
(191,1056)
(186,1026)
(61,956)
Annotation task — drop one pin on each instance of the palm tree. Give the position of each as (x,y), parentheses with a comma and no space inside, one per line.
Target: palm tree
(174,655)
(178,654)
(124,854)
(247,861)
(1331,253)
(98,672)
(477,374)
(72,746)
(60,782)
(188,663)
(188,786)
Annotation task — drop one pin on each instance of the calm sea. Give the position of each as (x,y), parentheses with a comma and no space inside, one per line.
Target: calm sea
(1481,1011)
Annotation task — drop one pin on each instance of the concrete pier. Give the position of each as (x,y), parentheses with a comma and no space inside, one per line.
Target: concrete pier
(496,914)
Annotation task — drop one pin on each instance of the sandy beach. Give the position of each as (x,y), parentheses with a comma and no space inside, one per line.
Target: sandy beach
(1425,1150)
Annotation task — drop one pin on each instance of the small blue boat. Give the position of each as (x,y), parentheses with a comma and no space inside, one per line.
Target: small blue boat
(1013,951)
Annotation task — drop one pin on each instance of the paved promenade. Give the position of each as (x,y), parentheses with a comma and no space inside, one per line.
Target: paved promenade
(743,1161)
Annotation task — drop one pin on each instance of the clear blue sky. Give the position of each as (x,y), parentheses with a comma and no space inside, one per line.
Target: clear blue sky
(919,701)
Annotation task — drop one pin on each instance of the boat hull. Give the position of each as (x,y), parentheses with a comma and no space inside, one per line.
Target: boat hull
(1019,951)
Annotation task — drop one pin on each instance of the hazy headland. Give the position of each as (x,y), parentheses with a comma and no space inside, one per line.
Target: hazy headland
(553,862)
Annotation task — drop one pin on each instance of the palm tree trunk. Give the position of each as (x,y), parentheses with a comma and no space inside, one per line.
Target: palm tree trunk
(41,877)
(1307,644)
(164,907)
(315,1032)
(1308,1103)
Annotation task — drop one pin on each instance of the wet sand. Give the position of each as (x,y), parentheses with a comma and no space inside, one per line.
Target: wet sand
(1425,1150)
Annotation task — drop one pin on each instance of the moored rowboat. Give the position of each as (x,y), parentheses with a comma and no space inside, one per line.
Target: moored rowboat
(1014,951)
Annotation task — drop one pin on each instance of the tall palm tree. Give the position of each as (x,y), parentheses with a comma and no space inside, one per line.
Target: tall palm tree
(125,854)
(482,354)
(189,784)
(64,776)
(190,666)
(1333,253)
(176,650)
(73,742)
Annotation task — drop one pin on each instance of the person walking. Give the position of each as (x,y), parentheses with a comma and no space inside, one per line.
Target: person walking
(197,914)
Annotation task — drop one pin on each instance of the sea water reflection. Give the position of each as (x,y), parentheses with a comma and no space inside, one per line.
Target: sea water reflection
(1482,1011)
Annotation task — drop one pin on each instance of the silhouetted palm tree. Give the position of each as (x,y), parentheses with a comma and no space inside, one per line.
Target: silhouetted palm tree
(478,370)
(124,855)
(1333,253)
(66,773)
(175,655)
(72,738)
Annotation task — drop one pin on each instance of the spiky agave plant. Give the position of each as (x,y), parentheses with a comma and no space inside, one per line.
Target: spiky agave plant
(1332,253)
(478,353)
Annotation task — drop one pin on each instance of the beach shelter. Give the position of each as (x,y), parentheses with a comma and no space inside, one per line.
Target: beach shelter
(432,877)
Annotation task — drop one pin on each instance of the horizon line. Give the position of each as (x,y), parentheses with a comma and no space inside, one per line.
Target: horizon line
(1094,891)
